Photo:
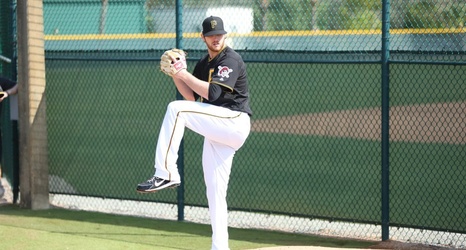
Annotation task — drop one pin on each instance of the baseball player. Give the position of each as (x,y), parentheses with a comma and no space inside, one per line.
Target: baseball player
(221,115)
(7,88)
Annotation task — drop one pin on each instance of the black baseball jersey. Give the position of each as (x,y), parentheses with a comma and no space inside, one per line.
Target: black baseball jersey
(6,83)
(228,80)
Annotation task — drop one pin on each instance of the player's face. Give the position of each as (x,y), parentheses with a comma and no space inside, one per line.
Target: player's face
(215,43)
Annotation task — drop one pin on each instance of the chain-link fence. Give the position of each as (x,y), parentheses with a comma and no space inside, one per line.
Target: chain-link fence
(359,111)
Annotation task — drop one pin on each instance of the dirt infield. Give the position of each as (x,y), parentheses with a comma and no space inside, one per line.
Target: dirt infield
(440,122)
(389,244)
(304,248)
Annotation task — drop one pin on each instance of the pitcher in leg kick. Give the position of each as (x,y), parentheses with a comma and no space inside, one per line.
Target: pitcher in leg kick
(221,115)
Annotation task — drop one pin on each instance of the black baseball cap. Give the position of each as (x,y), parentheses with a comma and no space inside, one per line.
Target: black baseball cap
(213,25)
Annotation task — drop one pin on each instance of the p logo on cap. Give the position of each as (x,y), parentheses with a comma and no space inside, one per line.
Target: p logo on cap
(213,23)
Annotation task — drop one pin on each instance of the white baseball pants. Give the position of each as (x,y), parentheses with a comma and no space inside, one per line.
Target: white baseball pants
(224,131)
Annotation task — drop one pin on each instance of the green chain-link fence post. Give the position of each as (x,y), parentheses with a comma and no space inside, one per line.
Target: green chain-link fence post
(180,162)
(385,119)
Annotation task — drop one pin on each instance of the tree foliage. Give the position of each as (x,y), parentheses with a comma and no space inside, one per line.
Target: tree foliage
(356,14)
(277,15)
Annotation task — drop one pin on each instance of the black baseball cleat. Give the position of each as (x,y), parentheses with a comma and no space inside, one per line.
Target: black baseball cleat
(155,183)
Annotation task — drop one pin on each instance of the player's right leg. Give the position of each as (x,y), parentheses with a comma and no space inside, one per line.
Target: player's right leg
(217,160)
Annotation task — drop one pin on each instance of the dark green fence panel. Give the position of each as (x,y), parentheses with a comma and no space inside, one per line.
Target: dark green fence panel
(428,146)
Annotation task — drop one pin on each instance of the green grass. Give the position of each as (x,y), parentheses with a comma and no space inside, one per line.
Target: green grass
(67,229)
(104,117)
